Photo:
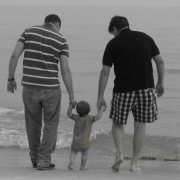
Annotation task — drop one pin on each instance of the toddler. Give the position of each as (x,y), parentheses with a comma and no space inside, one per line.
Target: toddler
(82,131)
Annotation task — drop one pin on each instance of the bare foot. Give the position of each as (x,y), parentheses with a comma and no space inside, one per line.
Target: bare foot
(70,167)
(116,165)
(84,168)
(134,167)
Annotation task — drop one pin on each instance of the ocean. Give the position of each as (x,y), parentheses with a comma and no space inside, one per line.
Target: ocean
(86,30)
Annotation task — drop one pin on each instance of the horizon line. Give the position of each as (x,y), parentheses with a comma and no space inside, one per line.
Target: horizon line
(18,4)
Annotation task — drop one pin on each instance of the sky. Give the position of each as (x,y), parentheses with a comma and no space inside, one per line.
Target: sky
(94,2)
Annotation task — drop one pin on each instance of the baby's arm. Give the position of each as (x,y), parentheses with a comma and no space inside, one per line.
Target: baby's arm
(69,111)
(99,114)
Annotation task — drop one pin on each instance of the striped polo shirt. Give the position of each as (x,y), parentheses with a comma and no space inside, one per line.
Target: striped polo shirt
(42,50)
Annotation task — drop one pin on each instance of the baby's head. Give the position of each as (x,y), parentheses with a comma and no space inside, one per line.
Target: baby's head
(83,108)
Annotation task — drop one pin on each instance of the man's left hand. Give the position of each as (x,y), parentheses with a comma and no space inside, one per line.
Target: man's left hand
(73,103)
(101,102)
(159,90)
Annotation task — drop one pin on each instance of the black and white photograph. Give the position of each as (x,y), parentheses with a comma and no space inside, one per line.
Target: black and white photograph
(90,89)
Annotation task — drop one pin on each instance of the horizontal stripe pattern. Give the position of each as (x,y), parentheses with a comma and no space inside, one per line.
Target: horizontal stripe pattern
(43,48)
(40,72)
(39,81)
(39,76)
(37,60)
(42,86)
(46,30)
(39,69)
(43,37)
(41,44)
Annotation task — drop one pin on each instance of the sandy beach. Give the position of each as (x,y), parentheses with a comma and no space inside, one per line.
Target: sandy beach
(86,30)
(16,165)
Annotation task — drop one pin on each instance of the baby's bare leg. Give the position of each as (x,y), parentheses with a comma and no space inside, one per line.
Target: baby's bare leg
(72,158)
(84,160)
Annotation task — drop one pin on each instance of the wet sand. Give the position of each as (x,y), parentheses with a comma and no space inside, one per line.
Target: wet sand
(16,165)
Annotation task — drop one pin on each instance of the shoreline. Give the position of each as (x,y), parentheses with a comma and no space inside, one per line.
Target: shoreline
(16,165)
(64,153)
(155,148)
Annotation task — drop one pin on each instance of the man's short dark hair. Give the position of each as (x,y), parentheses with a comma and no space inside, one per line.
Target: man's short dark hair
(118,22)
(52,18)
(83,108)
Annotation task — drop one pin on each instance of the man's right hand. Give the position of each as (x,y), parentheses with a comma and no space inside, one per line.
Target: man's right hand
(11,86)
(101,102)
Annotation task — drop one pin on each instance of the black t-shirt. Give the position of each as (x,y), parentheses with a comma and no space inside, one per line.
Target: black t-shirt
(131,53)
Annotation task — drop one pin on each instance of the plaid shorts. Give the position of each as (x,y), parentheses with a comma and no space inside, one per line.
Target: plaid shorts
(142,103)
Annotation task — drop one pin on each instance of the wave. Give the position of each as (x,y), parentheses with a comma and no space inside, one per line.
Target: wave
(4,111)
(102,144)
(11,138)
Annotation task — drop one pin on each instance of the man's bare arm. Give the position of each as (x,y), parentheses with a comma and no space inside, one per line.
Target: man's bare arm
(160,70)
(67,77)
(103,79)
(11,85)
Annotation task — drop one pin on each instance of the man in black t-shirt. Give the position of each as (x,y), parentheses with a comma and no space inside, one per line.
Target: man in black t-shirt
(131,52)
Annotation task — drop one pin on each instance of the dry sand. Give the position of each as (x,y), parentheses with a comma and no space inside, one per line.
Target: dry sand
(16,165)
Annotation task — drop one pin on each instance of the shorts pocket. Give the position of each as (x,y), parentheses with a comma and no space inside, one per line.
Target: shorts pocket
(152,93)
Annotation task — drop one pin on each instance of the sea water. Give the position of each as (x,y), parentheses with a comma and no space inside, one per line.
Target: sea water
(86,30)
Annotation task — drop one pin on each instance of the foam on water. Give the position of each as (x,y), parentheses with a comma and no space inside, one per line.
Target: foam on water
(102,144)
(64,140)
(20,112)
(4,110)
(10,138)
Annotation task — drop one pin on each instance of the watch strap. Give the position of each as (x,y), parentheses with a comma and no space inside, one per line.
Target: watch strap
(11,79)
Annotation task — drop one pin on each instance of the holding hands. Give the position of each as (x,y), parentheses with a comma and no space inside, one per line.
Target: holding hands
(101,102)
(73,103)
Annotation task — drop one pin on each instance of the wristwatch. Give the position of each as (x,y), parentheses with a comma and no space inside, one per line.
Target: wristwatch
(11,79)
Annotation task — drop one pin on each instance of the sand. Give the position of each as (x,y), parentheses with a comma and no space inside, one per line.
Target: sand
(16,165)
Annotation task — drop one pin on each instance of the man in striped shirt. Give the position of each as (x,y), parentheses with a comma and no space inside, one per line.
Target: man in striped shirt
(44,47)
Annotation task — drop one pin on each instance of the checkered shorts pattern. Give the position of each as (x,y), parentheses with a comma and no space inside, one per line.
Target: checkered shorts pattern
(142,103)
